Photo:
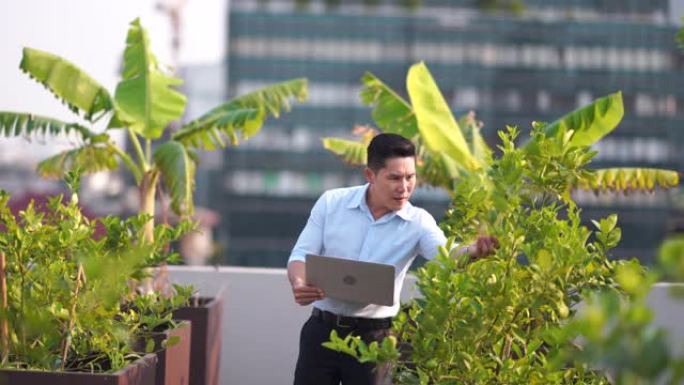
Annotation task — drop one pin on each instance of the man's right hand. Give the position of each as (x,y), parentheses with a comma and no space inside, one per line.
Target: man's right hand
(305,295)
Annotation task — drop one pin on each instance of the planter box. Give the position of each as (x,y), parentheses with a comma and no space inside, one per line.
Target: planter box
(173,366)
(140,372)
(206,339)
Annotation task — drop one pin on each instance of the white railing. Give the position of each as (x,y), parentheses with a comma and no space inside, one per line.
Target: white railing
(261,322)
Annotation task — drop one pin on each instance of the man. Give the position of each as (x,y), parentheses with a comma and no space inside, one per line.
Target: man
(375,223)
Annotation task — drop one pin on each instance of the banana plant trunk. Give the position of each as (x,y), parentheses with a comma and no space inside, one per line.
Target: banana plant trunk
(148,188)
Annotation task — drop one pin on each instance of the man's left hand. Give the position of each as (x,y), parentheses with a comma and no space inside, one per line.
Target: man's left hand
(484,246)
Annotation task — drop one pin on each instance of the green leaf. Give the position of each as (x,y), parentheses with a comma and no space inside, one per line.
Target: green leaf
(88,159)
(436,124)
(391,113)
(270,100)
(625,179)
(149,345)
(22,124)
(631,279)
(591,122)
(178,173)
(145,98)
(671,256)
(437,169)
(171,341)
(66,81)
(350,151)
(207,131)
(241,117)
(471,131)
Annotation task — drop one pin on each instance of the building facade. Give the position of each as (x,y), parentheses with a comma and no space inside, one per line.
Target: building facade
(510,62)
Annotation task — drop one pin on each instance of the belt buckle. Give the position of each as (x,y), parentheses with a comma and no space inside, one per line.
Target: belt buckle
(339,324)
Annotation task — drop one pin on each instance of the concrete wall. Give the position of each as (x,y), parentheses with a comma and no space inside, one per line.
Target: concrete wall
(261,322)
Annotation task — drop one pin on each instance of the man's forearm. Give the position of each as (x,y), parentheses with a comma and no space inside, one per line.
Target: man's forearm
(484,246)
(296,273)
(458,251)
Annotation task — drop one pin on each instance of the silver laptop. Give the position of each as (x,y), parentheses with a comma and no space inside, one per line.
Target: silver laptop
(349,280)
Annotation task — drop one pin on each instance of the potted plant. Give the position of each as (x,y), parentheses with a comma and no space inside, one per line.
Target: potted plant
(144,104)
(61,293)
(497,320)
(205,315)
(156,330)
(149,314)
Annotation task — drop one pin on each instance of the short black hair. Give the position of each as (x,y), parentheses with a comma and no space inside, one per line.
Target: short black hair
(386,146)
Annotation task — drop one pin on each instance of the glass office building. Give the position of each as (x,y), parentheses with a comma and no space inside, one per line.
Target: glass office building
(510,62)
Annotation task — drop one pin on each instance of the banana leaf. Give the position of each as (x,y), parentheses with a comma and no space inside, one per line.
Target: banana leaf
(627,179)
(145,98)
(67,82)
(438,129)
(241,117)
(178,174)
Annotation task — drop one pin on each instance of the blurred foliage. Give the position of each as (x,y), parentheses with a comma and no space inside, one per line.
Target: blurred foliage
(150,314)
(510,318)
(489,321)
(615,333)
(65,286)
(145,104)
(449,148)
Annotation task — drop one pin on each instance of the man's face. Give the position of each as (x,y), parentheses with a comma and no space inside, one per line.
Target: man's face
(392,185)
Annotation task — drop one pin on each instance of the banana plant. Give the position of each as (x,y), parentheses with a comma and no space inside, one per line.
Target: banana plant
(442,148)
(145,102)
(447,147)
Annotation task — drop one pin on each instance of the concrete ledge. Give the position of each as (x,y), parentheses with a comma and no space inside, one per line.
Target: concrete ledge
(261,322)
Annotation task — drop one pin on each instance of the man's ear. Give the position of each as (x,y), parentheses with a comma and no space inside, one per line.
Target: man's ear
(369,174)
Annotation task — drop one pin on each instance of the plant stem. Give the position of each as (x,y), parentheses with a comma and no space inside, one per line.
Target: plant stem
(135,170)
(22,272)
(138,149)
(163,206)
(4,326)
(72,315)
(147,195)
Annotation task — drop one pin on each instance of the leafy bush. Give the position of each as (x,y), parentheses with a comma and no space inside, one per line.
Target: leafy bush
(506,319)
(489,321)
(617,334)
(64,287)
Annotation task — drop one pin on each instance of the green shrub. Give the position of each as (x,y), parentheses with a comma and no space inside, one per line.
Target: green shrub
(65,287)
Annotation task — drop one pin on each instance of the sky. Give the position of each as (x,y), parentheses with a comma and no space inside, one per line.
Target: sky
(91,34)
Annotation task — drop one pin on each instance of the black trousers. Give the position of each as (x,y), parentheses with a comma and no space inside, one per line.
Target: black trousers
(317,365)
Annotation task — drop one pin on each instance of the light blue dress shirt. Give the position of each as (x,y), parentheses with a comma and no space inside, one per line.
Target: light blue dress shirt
(342,226)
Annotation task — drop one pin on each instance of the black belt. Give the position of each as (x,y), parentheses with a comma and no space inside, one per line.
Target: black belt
(339,321)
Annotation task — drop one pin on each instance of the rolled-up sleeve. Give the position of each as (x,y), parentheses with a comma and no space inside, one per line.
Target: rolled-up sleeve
(310,240)
(431,239)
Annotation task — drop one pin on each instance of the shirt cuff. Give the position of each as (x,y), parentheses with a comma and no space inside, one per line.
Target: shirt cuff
(296,257)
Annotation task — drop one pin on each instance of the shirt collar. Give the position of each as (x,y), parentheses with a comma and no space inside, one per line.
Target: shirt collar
(359,201)
(405,212)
